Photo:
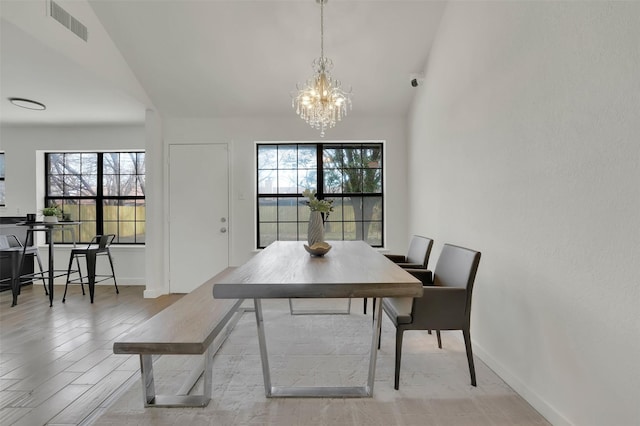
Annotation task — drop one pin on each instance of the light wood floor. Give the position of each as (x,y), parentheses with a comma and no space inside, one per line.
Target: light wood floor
(57,365)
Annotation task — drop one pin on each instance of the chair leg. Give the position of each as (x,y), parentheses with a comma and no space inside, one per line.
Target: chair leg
(80,274)
(365,306)
(399,333)
(467,343)
(439,339)
(113,272)
(91,271)
(66,285)
(44,282)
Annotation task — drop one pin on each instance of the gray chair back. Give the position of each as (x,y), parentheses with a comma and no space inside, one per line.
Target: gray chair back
(457,267)
(419,250)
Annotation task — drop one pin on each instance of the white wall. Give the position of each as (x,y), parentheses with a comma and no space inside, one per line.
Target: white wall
(524,144)
(24,148)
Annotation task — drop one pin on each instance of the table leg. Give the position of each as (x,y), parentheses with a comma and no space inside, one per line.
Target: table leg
(50,237)
(318,391)
(262,341)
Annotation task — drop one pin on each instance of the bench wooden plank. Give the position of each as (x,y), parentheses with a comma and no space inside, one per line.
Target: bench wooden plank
(186,327)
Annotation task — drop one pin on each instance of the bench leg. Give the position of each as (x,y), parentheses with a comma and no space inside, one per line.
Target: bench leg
(183,399)
(148,386)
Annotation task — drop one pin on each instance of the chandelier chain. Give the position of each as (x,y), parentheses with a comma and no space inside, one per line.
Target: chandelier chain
(322,28)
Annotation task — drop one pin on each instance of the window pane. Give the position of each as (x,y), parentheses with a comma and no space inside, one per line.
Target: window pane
(333,230)
(373,232)
(111,163)
(307,179)
(126,232)
(72,163)
(2,165)
(351,157)
(89,185)
(337,213)
(372,181)
(352,208)
(55,185)
(111,228)
(140,163)
(110,185)
(267,157)
(303,211)
(128,185)
(267,181)
(110,210)
(307,157)
(268,234)
(332,181)
(2,192)
(287,209)
(141,210)
(267,209)
(352,181)
(288,157)
(140,183)
(288,231)
(89,164)
(331,158)
(71,186)
(372,157)
(56,164)
(128,163)
(287,182)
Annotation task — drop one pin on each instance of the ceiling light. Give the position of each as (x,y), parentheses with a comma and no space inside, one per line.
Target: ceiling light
(321,102)
(27,103)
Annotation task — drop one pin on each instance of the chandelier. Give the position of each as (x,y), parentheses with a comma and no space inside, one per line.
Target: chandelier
(321,102)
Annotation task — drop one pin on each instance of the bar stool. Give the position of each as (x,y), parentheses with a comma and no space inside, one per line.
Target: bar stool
(12,245)
(99,245)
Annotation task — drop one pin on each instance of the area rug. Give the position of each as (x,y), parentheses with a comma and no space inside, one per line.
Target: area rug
(330,350)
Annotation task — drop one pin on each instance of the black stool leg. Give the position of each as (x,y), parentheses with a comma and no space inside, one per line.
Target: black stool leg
(91,269)
(66,285)
(113,272)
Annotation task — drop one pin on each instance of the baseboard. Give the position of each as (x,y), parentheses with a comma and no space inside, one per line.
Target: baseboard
(552,415)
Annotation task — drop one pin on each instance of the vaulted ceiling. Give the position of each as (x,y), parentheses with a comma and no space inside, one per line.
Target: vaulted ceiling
(226,58)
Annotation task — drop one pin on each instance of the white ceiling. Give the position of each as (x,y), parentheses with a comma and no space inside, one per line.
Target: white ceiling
(227,58)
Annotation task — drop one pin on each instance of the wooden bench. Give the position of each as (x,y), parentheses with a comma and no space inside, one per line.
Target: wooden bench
(187,327)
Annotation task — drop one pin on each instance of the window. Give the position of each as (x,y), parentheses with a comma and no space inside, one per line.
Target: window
(2,185)
(103,190)
(350,174)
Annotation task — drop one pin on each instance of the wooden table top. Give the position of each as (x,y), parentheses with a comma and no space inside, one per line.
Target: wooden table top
(285,270)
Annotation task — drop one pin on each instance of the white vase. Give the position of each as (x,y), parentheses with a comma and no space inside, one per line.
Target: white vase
(315,233)
(50,219)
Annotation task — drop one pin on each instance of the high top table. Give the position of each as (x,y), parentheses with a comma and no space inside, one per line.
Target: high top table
(47,228)
(285,270)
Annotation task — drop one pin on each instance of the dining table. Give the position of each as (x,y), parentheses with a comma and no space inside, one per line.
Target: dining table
(351,269)
(48,228)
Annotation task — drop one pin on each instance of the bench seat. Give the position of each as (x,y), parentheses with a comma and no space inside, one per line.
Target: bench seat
(187,327)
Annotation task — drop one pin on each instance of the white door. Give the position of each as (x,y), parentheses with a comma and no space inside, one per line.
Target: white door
(198,214)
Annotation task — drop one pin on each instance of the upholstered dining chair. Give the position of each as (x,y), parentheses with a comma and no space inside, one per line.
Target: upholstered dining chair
(99,245)
(416,257)
(444,305)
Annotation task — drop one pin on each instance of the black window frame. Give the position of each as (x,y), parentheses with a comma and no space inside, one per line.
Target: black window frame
(320,188)
(99,199)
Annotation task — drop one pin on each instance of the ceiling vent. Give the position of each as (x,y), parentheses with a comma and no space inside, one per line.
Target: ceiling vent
(62,16)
